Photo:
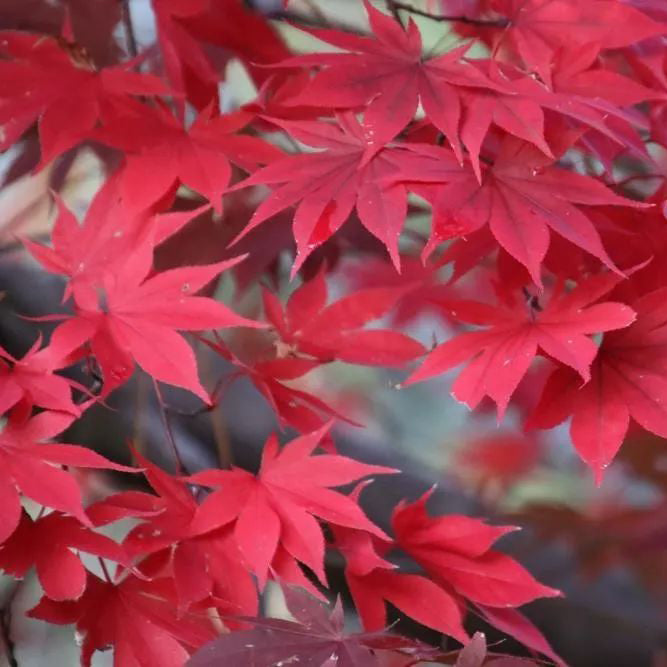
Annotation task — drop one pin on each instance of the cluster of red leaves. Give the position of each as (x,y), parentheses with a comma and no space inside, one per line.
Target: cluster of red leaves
(514,139)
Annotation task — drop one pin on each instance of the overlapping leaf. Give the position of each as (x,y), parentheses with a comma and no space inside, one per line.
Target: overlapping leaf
(628,380)
(522,198)
(280,504)
(502,354)
(160,152)
(48,544)
(334,331)
(56,84)
(389,73)
(32,466)
(135,617)
(351,172)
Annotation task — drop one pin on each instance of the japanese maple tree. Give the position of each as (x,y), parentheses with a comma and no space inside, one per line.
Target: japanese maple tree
(476,186)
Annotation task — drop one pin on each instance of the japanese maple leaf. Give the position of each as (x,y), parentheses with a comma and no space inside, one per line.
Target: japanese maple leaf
(55,83)
(136,618)
(314,637)
(628,380)
(513,623)
(511,108)
(49,544)
(594,98)
(293,407)
(278,506)
(187,67)
(522,197)
(390,74)
(201,561)
(502,354)
(327,332)
(576,72)
(373,581)
(519,106)
(31,467)
(129,317)
(84,252)
(31,380)
(456,551)
(161,152)
(537,28)
(352,171)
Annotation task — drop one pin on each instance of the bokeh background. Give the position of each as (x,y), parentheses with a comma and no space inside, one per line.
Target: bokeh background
(606,548)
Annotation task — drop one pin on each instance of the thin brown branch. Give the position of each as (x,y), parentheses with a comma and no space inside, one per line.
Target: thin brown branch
(130,37)
(181,469)
(5,622)
(6,627)
(395,6)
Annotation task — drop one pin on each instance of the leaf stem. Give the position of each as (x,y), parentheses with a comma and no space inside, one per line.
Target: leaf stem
(169,431)
(105,571)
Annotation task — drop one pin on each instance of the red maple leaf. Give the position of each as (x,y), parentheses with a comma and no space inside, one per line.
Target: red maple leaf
(85,252)
(202,562)
(502,354)
(47,544)
(456,551)
(160,152)
(390,74)
(522,197)
(135,617)
(374,581)
(628,380)
(327,332)
(518,106)
(130,317)
(56,83)
(352,171)
(278,506)
(31,466)
(30,381)
(293,407)
(537,28)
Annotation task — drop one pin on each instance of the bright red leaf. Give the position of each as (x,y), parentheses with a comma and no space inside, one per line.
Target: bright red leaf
(628,379)
(130,316)
(160,152)
(334,331)
(33,467)
(281,503)
(137,618)
(351,172)
(522,197)
(390,74)
(50,544)
(502,354)
(57,84)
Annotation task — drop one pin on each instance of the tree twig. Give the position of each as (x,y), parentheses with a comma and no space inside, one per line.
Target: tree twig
(395,6)
(131,38)
(181,469)
(5,628)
